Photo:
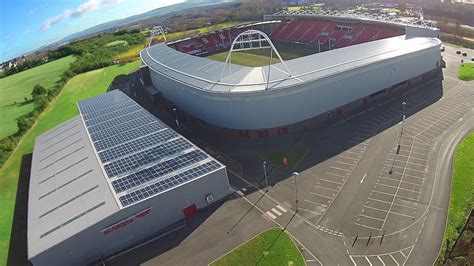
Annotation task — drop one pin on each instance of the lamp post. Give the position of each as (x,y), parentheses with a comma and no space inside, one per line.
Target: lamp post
(265,175)
(176,116)
(403,116)
(295,174)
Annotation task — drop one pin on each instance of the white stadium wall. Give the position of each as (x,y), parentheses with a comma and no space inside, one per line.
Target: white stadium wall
(289,105)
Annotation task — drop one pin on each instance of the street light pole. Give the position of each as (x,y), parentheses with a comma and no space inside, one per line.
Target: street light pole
(265,174)
(403,116)
(176,116)
(295,174)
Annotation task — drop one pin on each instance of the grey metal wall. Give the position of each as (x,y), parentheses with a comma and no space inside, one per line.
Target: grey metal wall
(91,244)
(286,106)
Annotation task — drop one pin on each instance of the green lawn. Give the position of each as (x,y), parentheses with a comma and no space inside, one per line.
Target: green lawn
(16,87)
(257,58)
(181,34)
(130,53)
(272,247)
(462,193)
(466,71)
(245,59)
(63,108)
(294,157)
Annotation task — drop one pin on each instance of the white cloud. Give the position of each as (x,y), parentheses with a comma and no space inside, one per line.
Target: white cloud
(86,7)
(78,11)
(46,25)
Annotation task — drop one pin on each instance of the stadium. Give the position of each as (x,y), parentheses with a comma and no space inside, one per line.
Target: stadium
(345,61)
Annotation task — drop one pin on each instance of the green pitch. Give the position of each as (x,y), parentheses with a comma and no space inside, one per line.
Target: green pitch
(82,86)
(257,58)
(16,87)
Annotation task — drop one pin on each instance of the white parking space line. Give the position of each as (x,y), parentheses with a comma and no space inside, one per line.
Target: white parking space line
(315,203)
(383,263)
(370,263)
(401,214)
(411,169)
(338,175)
(394,259)
(348,158)
(371,217)
(276,211)
(411,183)
(351,152)
(410,190)
(320,195)
(380,192)
(338,168)
(367,226)
(350,164)
(271,215)
(240,193)
(370,207)
(332,189)
(281,208)
(407,198)
(306,210)
(339,183)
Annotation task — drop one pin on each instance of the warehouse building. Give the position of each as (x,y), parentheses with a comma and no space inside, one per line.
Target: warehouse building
(111,177)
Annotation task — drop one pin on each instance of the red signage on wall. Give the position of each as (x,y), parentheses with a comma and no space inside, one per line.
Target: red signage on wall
(121,224)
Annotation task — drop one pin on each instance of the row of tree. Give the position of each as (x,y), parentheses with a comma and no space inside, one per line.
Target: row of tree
(90,54)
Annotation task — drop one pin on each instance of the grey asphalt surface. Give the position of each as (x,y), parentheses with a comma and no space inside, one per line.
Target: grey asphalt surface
(360,202)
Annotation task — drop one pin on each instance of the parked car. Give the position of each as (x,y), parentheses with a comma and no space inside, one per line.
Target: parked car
(442,48)
(472,58)
(458,52)
(464,54)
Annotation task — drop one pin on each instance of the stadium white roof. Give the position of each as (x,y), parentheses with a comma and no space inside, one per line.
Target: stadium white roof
(205,74)
(111,156)
(360,16)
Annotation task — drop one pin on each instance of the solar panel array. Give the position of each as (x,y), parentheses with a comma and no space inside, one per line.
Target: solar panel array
(140,154)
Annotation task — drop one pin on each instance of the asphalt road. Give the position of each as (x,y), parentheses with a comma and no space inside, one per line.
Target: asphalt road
(371,190)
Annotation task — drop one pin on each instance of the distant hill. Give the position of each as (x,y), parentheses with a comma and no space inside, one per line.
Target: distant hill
(111,25)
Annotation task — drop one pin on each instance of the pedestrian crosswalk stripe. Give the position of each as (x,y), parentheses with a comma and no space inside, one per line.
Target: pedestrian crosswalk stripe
(271,215)
(277,212)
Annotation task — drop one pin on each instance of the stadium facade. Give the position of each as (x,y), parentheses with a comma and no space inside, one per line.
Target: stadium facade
(363,57)
(110,178)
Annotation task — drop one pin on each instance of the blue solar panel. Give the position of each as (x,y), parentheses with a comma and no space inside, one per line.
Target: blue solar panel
(136,145)
(158,170)
(168,183)
(145,157)
(117,121)
(129,135)
(116,113)
(137,149)
(119,129)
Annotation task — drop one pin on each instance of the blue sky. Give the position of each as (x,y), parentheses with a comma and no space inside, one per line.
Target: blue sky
(28,24)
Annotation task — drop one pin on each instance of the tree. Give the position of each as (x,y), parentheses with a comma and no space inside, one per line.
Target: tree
(38,90)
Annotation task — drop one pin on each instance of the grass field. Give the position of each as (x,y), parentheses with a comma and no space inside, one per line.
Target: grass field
(466,71)
(181,34)
(132,52)
(272,247)
(256,58)
(462,193)
(63,108)
(16,87)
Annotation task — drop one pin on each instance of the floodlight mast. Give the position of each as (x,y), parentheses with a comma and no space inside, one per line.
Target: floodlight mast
(155,31)
(253,40)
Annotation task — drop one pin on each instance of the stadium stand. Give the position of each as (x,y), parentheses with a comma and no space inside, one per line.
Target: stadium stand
(309,31)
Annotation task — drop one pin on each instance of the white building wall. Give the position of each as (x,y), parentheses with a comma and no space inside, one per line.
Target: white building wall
(285,106)
(91,245)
